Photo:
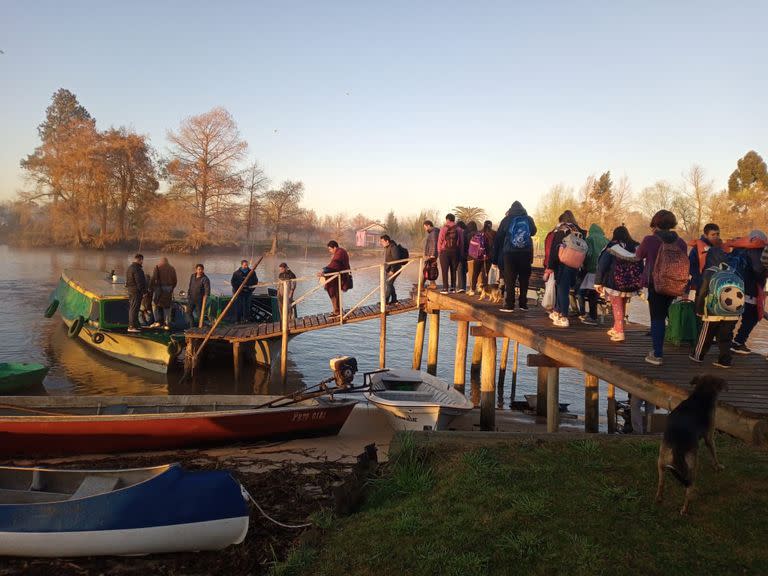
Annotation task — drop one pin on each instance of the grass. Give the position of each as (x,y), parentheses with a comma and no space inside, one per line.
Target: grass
(561,507)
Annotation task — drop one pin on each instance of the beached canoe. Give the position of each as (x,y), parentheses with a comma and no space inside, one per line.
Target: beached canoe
(415,400)
(64,513)
(32,425)
(16,376)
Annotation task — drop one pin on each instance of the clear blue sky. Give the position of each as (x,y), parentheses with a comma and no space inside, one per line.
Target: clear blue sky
(407,105)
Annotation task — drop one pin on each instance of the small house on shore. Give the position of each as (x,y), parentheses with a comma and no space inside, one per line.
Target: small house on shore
(368,237)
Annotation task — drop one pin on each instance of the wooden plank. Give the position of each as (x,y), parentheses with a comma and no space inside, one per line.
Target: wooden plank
(461,318)
(483,332)
(541,361)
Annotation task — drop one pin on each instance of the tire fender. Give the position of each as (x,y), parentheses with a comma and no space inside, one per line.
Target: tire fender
(52,307)
(75,327)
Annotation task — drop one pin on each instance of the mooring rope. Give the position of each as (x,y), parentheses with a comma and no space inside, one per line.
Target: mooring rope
(268,517)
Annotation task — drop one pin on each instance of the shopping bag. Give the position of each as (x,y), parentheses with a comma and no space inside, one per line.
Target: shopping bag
(548,300)
(493,275)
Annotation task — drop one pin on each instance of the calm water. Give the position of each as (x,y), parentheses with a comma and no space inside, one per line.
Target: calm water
(27,278)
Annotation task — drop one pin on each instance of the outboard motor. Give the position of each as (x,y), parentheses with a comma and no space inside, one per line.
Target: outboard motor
(344,369)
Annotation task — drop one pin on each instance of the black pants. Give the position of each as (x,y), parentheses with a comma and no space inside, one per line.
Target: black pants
(591,297)
(134,305)
(449,263)
(461,281)
(479,267)
(390,296)
(723,331)
(517,267)
(658,307)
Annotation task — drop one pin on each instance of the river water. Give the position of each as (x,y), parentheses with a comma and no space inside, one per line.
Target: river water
(28,276)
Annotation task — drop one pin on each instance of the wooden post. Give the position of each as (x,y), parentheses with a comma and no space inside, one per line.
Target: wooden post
(541,391)
(513,389)
(502,373)
(474,370)
(553,399)
(611,409)
(487,382)
(418,342)
(202,312)
(419,281)
(460,361)
(284,314)
(341,305)
(237,360)
(383,324)
(434,340)
(591,403)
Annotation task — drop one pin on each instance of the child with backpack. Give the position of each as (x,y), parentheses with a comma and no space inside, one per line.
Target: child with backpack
(513,253)
(596,241)
(450,247)
(566,255)
(481,251)
(666,275)
(719,303)
(745,258)
(619,277)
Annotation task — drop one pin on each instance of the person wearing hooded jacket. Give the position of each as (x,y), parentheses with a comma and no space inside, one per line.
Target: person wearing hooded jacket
(565,276)
(596,241)
(450,247)
(515,262)
(662,225)
(621,244)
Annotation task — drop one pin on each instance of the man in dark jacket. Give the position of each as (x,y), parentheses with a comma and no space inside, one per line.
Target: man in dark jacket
(288,281)
(243,304)
(199,289)
(162,285)
(513,253)
(430,249)
(750,249)
(391,253)
(136,285)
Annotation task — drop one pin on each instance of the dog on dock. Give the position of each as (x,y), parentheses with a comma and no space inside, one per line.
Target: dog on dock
(692,420)
(490,291)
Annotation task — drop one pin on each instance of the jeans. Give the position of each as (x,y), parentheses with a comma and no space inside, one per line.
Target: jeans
(390,296)
(193,313)
(565,278)
(166,312)
(449,262)
(658,306)
(134,304)
(591,297)
(243,306)
(517,267)
(462,275)
(749,320)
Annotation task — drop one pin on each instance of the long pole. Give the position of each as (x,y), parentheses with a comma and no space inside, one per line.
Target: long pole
(284,326)
(202,311)
(224,312)
(383,309)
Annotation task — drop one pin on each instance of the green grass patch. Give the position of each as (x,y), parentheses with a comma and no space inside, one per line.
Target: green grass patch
(578,507)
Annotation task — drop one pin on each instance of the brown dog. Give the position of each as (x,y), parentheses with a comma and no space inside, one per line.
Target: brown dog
(490,291)
(692,420)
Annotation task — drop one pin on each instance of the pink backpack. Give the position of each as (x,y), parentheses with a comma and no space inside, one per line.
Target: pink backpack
(573,251)
(671,270)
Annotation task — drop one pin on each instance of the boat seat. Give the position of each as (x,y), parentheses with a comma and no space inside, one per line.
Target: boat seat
(94,485)
(8,496)
(406,395)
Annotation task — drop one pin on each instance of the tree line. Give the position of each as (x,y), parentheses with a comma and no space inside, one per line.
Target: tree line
(111,188)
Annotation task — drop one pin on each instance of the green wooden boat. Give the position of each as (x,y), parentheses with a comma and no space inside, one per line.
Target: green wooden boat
(16,376)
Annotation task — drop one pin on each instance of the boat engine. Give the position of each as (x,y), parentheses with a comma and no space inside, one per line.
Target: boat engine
(344,370)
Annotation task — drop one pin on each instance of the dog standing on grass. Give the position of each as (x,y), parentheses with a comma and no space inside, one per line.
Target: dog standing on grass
(692,420)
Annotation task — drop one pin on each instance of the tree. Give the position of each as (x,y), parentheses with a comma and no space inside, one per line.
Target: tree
(698,190)
(392,225)
(203,169)
(255,182)
(657,197)
(469,213)
(336,225)
(597,200)
(551,205)
(748,189)
(280,205)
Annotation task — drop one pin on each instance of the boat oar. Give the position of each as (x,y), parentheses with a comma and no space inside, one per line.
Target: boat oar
(224,312)
(202,311)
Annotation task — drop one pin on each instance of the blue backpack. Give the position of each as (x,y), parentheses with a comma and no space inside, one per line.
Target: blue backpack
(518,235)
(738,261)
(725,296)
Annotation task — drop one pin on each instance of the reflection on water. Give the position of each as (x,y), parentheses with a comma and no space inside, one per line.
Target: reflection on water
(28,276)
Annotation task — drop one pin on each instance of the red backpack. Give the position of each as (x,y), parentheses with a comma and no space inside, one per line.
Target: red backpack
(671,270)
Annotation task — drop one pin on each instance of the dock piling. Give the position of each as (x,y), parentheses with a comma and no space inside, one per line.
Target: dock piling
(611,409)
(591,403)
(460,361)
(434,340)
(487,383)
(418,341)
(383,325)
(553,399)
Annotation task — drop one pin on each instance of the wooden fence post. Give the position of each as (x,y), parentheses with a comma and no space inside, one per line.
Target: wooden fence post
(591,403)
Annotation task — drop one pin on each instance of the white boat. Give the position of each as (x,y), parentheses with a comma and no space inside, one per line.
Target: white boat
(415,400)
(63,513)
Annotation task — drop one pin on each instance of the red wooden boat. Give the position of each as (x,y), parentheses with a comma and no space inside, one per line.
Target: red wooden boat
(31,425)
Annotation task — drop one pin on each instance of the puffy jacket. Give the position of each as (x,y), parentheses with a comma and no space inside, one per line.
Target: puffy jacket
(501,233)
(135,279)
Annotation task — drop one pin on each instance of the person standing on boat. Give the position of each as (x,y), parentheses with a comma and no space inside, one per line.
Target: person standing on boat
(136,285)
(199,289)
(286,275)
(339,261)
(162,285)
(391,253)
(243,304)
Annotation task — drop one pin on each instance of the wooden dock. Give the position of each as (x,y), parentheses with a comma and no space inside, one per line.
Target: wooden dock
(742,411)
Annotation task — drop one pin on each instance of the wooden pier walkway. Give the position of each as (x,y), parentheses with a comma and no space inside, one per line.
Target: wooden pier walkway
(742,411)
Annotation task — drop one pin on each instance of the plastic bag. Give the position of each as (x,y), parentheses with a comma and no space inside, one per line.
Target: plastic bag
(548,300)
(493,275)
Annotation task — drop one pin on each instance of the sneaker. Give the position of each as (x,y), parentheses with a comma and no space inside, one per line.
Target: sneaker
(554,315)
(617,337)
(133,330)
(470,292)
(693,358)
(166,327)
(588,321)
(740,348)
(506,309)
(460,291)
(452,291)
(611,332)
(444,292)
(155,325)
(722,363)
(562,322)
(524,308)
(582,317)
(651,358)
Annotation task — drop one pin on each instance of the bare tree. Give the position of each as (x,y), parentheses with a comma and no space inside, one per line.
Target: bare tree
(659,196)
(255,182)
(699,190)
(336,225)
(203,169)
(551,205)
(279,206)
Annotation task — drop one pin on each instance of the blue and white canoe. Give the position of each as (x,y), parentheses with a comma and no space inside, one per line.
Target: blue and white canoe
(63,513)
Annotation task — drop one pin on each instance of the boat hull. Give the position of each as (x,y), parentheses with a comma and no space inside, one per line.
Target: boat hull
(34,434)
(423,417)
(19,376)
(175,511)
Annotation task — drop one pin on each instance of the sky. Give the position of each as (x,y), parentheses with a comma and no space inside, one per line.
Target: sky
(403,106)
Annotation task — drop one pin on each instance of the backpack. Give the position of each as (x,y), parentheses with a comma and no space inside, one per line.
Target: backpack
(725,296)
(478,246)
(430,270)
(518,235)
(402,252)
(451,237)
(739,263)
(573,251)
(671,270)
(627,275)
